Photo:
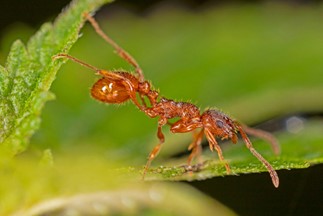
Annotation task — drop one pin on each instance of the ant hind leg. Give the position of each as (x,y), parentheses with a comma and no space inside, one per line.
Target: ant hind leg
(78,61)
(121,52)
(161,122)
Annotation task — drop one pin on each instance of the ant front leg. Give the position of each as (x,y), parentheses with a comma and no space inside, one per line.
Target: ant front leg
(161,122)
(214,145)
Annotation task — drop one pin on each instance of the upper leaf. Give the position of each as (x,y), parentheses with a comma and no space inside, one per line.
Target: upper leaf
(30,71)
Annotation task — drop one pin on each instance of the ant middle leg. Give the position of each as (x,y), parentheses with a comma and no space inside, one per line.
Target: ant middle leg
(120,51)
(195,147)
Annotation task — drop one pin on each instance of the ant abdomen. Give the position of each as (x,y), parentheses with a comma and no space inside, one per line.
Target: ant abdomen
(109,91)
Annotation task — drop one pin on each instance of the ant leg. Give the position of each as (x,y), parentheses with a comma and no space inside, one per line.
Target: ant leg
(63,55)
(121,52)
(143,100)
(161,122)
(264,135)
(107,74)
(213,144)
(195,146)
(134,99)
(271,170)
(184,126)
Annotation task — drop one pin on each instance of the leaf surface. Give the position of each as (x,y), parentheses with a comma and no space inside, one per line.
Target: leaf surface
(29,72)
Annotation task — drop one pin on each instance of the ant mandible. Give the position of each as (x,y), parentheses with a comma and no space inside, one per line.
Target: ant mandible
(120,86)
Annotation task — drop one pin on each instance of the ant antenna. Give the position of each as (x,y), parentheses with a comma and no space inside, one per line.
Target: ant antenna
(121,52)
(264,135)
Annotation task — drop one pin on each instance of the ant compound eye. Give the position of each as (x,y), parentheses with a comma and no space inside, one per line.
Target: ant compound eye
(219,123)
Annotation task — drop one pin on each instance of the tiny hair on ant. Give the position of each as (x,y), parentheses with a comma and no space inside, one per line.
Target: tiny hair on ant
(116,87)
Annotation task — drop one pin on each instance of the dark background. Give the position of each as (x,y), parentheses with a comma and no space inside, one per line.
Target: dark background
(301,191)
(35,12)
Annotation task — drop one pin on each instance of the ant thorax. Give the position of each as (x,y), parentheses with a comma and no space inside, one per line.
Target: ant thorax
(172,109)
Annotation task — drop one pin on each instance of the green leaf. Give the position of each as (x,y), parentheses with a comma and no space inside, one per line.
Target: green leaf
(247,64)
(299,150)
(251,62)
(144,199)
(88,183)
(30,71)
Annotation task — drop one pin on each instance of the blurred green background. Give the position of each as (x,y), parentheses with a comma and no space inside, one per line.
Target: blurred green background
(259,62)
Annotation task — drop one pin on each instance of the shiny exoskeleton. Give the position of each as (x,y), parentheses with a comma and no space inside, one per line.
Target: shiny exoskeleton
(119,86)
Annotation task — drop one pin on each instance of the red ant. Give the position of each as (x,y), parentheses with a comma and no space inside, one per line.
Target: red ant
(120,86)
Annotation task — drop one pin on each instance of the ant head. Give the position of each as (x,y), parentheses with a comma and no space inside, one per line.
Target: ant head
(220,125)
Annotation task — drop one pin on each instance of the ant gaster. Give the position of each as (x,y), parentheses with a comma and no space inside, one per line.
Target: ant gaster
(120,86)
